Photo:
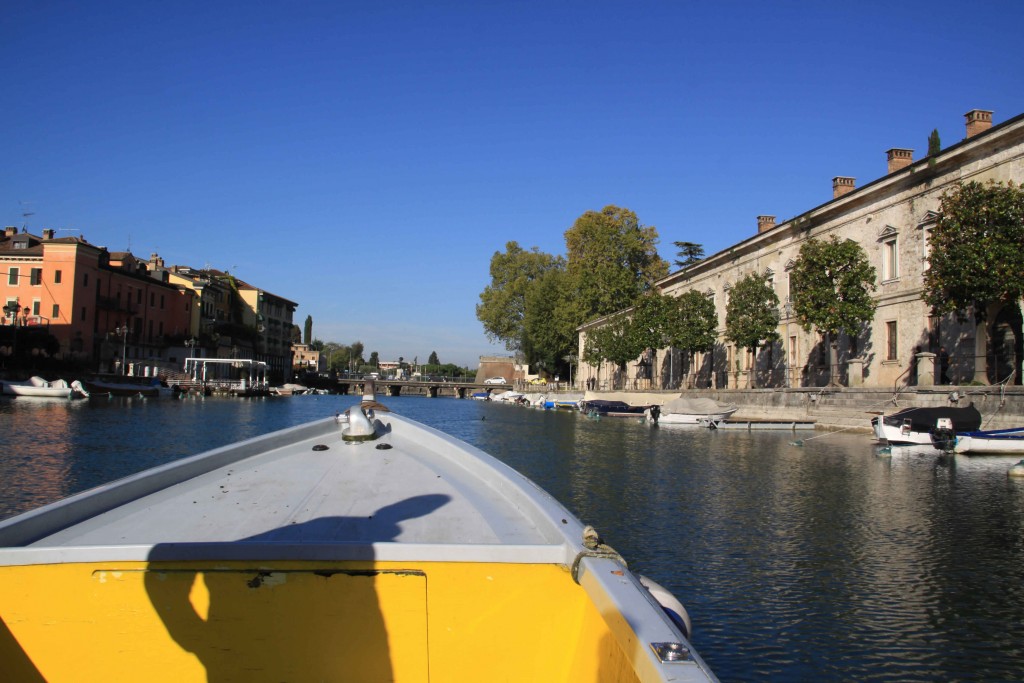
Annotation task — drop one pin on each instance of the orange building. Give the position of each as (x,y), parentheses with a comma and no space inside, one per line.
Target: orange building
(103,308)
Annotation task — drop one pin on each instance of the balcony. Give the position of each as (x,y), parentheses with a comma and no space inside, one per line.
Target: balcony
(109,303)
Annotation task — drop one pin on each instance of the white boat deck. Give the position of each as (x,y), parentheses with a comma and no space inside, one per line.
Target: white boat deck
(409,493)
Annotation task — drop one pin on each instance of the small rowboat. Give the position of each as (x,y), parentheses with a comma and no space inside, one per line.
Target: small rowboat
(358,547)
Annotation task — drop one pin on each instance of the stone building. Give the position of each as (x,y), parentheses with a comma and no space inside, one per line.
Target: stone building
(891,218)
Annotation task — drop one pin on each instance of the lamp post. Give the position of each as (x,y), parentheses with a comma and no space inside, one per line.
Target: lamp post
(11,311)
(123,331)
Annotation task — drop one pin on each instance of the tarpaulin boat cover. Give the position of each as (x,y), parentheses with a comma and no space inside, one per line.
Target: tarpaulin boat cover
(923,419)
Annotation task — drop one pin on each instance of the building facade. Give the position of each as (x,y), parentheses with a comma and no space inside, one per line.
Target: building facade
(103,309)
(116,313)
(239,320)
(891,219)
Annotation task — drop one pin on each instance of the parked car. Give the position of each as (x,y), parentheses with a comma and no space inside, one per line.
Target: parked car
(538,380)
(495,380)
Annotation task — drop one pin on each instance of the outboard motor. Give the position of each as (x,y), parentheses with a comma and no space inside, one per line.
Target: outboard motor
(944,436)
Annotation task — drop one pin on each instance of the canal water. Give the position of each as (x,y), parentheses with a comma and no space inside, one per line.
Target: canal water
(807,557)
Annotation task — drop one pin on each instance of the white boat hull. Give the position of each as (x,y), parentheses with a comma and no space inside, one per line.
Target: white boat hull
(898,436)
(38,387)
(693,419)
(1002,443)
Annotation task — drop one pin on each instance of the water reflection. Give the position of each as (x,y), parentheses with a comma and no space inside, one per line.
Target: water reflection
(829,562)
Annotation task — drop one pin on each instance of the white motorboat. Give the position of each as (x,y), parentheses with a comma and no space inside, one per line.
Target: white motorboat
(37,387)
(913,426)
(695,411)
(980,442)
(510,397)
(363,546)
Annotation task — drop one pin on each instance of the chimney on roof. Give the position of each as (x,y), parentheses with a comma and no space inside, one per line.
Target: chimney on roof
(978,121)
(899,158)
(48,233)
(10,231)
(842,185)
(765,223)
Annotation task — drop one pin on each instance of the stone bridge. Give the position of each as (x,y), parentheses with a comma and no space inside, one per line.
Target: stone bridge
(397,387)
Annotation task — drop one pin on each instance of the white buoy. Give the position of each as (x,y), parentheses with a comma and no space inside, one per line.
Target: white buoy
(1017,470)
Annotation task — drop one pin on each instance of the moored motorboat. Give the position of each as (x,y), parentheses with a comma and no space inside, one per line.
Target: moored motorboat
(696,411)
(600,408)
(101,387)
(362,546)
(979,442)
(913,426)
(510,397)
(37,387)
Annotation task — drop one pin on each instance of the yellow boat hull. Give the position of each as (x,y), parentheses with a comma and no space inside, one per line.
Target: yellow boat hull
(305,621)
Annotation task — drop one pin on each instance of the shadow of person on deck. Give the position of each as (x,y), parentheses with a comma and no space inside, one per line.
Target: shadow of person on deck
(247,613)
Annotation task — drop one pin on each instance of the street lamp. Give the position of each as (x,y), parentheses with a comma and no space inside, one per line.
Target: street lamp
(11,310)
(123,331)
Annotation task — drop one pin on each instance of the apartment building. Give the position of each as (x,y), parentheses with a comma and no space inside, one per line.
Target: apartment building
(102,308)
(891,218)
(237,319)
(113,311)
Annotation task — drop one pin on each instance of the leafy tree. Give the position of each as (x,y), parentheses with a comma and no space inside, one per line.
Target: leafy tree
(433,360)
(316,345)
(611,260)
(630,334)
(549,329)
(503,302)
(832,283)
(614,342)
(934,144)
(752,315)
(374,359)
(356,353)
(307,330)
(688,254)
(976,259)
(694,323)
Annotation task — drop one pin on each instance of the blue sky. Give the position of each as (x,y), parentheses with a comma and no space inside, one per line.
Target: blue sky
(367,159)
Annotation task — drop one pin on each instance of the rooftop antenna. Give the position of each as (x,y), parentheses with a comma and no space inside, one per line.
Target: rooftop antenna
(26,211)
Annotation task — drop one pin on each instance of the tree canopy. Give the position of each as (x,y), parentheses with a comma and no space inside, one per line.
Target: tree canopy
(307,331)
(832,283)
(688,254)
(502,306)
(611,260)
(976,249)
(695,322)
(433,360)
(648,325)
(535,301)
(549,332)
(752,314)
(614,342)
